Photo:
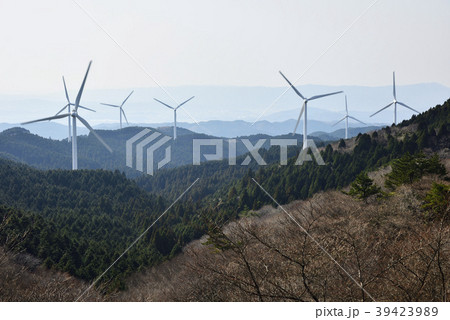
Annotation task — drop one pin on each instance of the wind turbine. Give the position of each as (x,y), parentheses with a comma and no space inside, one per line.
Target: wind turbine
(346,119)
(68,105)
(120,108)
(394,102)
(174,114)
(305,109)
(74,115)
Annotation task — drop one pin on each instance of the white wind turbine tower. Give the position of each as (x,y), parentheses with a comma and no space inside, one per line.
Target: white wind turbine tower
(74,115)
(174,114)
(120,108)
(394,102)
(305,109)
(68,105)
(346,119)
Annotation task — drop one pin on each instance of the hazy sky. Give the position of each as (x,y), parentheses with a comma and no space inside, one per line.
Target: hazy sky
(234,42)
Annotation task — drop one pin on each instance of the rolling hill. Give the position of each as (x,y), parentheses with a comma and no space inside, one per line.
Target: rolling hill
(19,144)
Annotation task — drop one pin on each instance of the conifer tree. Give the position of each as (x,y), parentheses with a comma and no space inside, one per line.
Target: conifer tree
(437,201)
(363,187)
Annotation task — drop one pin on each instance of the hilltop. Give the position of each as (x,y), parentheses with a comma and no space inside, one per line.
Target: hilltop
(20,145)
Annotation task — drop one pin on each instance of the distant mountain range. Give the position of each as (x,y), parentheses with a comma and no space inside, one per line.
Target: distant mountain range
(226,111)
(229,103)
(226,129)
(238,128)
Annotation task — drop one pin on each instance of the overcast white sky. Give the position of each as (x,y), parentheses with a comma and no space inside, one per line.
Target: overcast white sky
(234,42)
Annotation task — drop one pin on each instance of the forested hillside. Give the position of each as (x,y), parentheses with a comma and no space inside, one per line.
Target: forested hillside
(20,145)
(429,131)
(81,221)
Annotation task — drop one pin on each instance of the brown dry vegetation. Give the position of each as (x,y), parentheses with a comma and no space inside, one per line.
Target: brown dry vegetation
(22,278)
(386,246)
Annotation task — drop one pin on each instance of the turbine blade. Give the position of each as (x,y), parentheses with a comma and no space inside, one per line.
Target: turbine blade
(62,109)
(80,92)
(390,104)
(299,117)
(123,112)
(111,105)
(292,86)
(339,121)
(48,118)
(356,119)
(65,90)
(402,104)
(126,98)
(86,124)
(87,108)
(164,104)
(393,85)
(185,102)
(324,95)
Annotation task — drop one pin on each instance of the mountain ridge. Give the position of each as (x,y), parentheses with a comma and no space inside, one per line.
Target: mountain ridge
(218,128)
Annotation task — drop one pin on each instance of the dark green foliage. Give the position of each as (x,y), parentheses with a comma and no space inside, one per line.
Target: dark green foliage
(81,221)
(437,201)
(364,142)
(435,117)
(216,177)
(363,187)
(217,239)
(341,144)
(292,182)
(410,168)
(443,130)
